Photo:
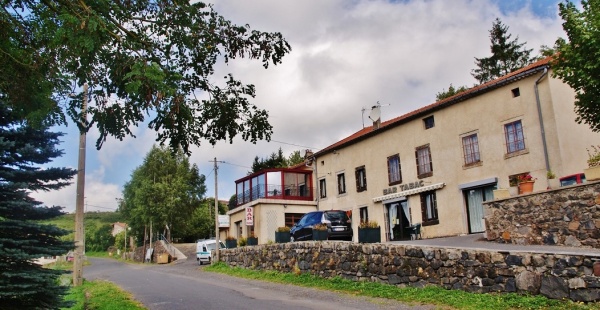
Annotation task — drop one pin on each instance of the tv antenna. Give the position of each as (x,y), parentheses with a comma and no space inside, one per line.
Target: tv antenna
(375,113)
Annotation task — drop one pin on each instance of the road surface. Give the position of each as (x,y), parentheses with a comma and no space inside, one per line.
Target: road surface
(185,286)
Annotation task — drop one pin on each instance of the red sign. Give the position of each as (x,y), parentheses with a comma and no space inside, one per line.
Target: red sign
(249,216)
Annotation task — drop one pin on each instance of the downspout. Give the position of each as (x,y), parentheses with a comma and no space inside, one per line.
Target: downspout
(317,193)
(542,130)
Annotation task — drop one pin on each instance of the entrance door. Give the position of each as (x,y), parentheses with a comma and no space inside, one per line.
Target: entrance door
(475,198)
(398,223)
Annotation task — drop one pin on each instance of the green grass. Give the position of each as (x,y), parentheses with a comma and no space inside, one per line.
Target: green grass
(101,295)
(429,295)
(90,219)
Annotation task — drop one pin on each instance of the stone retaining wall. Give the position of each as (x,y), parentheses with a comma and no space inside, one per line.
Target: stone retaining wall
(554,276)
(568,216)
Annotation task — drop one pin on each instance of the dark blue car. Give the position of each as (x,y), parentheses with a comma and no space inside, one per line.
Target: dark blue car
(338,224)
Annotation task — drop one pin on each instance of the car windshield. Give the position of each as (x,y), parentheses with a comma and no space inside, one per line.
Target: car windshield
(336,216)
(211,246)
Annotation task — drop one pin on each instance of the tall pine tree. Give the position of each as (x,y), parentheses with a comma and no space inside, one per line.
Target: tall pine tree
(23,283)
(507,56)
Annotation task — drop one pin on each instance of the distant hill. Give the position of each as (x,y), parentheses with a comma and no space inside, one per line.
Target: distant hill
(90,220)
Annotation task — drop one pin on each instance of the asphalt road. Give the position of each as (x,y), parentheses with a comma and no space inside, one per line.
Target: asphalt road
(185,286)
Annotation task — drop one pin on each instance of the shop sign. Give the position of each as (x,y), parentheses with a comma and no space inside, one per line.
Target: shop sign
(249,216)
(403,187)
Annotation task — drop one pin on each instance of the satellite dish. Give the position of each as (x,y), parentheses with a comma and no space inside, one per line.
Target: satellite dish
(375,113)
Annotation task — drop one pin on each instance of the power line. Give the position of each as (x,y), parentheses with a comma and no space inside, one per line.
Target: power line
(304,146)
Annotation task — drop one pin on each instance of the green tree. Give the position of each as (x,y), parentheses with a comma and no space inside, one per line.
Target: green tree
(203,220)
(507,56)
(147,58)
(576,62)
(24,284)
(294,159)
(450,92)
(275,160)
(164,190)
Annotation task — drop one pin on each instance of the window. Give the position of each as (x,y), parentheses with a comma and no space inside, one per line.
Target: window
(292,218)
(471,149)
(424,165)
(429,208)
(341,182)
(394,170)
(429,122)
(515,92)
(514,137)
(322,188)
(364,214)
(361,179)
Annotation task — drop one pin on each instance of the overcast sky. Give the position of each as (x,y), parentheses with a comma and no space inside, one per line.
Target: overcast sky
(346,56)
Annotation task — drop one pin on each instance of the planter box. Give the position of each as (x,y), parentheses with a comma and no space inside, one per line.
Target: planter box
(320,234)
(282,237)
(369,235)
(252,241)
(163,258)
(592,174)
(230,244)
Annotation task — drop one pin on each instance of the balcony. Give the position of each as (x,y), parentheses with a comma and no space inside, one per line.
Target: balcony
(283,183)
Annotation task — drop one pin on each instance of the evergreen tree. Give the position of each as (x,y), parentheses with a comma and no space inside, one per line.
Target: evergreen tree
(507,56)
(23,283)
(450,92)
(275,160)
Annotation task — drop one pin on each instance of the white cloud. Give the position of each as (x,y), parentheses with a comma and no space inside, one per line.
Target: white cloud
(346,56)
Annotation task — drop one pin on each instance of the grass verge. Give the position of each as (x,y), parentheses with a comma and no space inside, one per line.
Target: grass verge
(101,295)
(429,295)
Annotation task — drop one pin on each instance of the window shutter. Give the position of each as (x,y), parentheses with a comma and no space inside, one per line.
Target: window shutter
(417,158)
(357,176)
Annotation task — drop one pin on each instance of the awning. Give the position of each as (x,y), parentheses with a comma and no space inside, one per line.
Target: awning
(409,192)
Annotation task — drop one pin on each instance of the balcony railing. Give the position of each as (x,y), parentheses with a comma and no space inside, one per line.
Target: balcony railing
(275,192)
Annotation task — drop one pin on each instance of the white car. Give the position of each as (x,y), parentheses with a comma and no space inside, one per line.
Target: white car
(204,248)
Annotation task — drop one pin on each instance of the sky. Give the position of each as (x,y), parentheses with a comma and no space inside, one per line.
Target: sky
(346,57)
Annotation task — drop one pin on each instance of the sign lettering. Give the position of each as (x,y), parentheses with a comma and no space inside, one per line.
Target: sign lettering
(403,187)
(249,216)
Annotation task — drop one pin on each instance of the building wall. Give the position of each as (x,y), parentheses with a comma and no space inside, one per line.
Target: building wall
(268,215)
(486,115)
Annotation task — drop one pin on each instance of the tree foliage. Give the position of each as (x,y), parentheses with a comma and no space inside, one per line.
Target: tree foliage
(507,56)
(146,58)
(276,160)
(23,149)
(450,92)
(202,222)
(164,190)
(577,60)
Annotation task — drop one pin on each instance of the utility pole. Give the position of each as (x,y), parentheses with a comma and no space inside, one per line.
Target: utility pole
(218,243)
(79,204)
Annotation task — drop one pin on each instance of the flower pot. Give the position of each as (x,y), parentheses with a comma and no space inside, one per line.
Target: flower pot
(320,234)
(252,241)
(592,174)
(231,243)
(526,187)
(282,237)
(369,235)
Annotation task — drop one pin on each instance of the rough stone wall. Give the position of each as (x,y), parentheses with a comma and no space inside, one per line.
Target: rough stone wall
(568,216)
(554,276)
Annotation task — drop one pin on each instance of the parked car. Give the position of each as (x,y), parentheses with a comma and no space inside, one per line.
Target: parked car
(338,224)
(204,248)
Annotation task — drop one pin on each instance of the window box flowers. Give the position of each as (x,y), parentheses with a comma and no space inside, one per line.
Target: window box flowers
(369,232)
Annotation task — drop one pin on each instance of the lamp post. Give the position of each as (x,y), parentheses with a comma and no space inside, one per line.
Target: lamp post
(79,204)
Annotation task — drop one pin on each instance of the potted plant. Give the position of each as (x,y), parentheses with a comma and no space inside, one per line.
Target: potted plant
(282,234)
(252,239)
(592,173)
(526,182)
(230,242)
(552,181)
(320,232)
(369,232)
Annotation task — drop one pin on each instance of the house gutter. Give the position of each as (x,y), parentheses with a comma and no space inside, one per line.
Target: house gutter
(539,109)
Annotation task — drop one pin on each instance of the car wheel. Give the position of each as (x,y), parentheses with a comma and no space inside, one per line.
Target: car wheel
(292,239)
(199,262)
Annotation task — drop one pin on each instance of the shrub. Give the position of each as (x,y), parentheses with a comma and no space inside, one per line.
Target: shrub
(368,224)
(320,226)
(242,241)
(594,156)
(283,229)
